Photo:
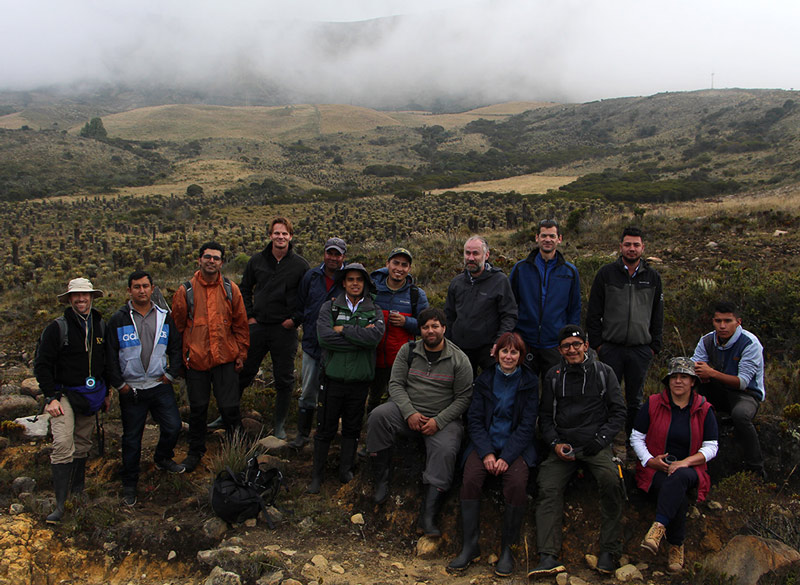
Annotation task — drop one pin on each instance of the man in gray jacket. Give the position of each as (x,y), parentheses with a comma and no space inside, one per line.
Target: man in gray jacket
(430,388)
(480,306)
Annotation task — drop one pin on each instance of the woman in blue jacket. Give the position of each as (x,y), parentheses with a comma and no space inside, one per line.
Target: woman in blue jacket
(501,421)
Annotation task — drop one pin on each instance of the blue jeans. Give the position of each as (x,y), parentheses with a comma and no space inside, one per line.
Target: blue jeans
(160,402)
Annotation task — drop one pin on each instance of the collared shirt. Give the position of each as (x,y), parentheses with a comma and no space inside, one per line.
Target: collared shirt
(146,330)
(350,305)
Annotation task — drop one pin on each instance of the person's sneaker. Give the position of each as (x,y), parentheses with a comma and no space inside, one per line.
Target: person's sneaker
(170,466)
(190,463)
(675,559)
(129,496)
(652,540)
(548,565)
(606,563)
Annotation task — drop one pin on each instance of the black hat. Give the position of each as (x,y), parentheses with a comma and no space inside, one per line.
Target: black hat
(336,244)
(571,331)
(369,285)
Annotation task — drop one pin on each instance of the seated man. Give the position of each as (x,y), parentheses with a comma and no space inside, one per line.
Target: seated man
(430,388)
(730,364)
(580,413)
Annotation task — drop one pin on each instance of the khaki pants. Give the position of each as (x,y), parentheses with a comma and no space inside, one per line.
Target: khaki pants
(72,434)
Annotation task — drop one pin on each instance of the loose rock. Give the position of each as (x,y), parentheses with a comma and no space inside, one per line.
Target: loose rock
(562,579)
(749,557)
(357,519)
(23,484)
(35,429)
(12,407)
(30,387)
(221,577)
(628,573)
(319,561)
(215,528)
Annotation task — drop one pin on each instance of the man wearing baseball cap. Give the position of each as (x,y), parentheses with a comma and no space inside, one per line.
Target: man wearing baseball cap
(580,412)
(401,301)
(318,285)
(70,367)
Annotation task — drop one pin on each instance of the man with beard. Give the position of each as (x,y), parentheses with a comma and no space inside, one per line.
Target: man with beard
(318,285)
(548,292)
(625,318)
(580,412)
(430,388)
(480,306)
(70,367)
(270,291)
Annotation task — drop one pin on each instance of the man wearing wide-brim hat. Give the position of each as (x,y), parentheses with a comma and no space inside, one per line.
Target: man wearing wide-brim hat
(70,368)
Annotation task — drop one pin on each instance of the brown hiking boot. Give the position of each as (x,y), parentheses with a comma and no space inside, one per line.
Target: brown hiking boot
(653,537)
(675,562)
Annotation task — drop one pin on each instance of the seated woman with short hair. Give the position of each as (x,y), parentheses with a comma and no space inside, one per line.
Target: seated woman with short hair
(501,423)
(674,436)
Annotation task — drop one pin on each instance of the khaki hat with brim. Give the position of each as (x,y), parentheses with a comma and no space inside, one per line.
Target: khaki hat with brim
(79,285)
(679,365)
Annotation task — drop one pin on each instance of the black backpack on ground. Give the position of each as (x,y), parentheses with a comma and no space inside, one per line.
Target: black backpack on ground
(235,497)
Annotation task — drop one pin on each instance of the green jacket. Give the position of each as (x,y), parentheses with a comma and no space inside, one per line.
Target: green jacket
(349,356)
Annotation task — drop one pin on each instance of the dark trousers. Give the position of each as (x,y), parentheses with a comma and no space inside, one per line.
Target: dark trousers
(281,344)
(541,359)
(515,480)
(343,400)
(670,492)
(554,474)
(134,406)
(743,408)
(479,358)
(630,365)
(225,382)
(377,387)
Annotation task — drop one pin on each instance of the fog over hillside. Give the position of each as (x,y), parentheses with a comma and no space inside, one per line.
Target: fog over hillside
(385,53)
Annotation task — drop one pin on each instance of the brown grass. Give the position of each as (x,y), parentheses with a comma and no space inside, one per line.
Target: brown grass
(525,184)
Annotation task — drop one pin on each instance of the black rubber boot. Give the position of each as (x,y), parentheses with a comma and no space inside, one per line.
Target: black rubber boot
(279,415)
(305,417)
(62,475)
(380,465)
(512,522)
(320,461)
(430,509)
(78,477)
(347,459)
(470,529)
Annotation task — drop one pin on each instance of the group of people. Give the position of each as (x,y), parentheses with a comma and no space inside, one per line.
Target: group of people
(504,353)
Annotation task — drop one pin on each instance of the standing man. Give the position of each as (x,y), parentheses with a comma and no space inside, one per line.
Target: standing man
(730,364)
(401,301)
(209,312)
(318,285)
(269,287)
(70,367)
(430,388)
(548,293)
(349,329)
(144,359)
(580,412)
(480,306)
(626,317)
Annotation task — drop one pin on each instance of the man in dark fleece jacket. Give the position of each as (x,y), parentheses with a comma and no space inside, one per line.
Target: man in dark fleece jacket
(625,318)
(480,306)
(580,412)
(269,289)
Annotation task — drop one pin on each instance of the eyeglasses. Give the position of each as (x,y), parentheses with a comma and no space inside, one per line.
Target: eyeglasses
(210,257)
(573,345)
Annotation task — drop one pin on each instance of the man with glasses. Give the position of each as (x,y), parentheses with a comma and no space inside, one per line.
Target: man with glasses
(548,293)
(480,306)
(580,412)
(209,312)
(269,288)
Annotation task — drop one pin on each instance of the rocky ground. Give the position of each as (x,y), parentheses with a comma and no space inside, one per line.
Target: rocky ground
(340,536)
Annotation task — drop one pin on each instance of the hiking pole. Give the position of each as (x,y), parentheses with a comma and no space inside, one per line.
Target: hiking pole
(618,463)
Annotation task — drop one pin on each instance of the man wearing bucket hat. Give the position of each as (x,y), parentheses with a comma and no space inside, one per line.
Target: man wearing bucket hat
(349,329)
(70,367)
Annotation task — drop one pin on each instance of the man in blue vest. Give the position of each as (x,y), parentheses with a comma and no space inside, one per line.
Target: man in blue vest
(730,364)
(548,293)
(144,359)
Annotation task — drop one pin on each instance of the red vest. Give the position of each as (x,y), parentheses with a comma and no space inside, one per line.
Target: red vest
(660,411)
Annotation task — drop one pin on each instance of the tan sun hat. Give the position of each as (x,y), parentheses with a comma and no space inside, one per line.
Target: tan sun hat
(79,285)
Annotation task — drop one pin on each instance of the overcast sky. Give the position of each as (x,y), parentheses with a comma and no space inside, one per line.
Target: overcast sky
(498,50)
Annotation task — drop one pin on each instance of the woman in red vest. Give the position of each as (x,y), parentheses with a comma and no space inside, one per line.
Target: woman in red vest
(674,436)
